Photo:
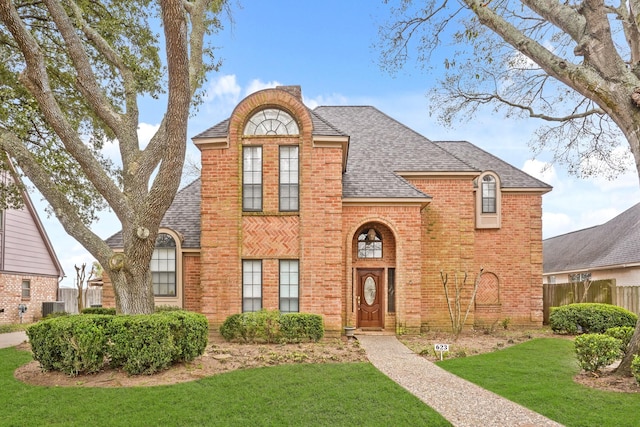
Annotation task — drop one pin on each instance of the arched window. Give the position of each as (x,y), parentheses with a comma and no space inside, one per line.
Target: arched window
(488,194)
(163,266)
(271,121)
(369,244)
(488,290)
(488,197)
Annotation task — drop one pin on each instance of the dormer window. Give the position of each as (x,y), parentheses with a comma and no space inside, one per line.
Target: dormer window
(488,200)
(271,121)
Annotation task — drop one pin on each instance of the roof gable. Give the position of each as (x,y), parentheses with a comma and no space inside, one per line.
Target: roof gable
(612,243)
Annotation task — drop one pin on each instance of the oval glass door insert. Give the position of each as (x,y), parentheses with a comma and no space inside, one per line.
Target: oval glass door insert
(369,290)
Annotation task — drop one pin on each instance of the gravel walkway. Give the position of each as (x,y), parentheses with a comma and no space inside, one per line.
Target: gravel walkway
(459,401)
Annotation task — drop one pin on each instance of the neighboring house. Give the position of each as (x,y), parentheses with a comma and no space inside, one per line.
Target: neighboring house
(29,268)
(607,251)
(345,212)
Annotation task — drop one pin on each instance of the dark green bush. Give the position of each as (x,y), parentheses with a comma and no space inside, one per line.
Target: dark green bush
(190,333)
(70,344)
(56,314)
(623,333)
(635,368)
(299,327)
(99,310)
(596,350)
(589,318)
(271,326)
(142,344)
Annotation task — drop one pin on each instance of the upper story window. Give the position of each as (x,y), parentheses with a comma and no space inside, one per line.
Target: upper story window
(271,121)
(488,200)
(369,244)
(488,194)
(289,178)
(163,266)
(252,178)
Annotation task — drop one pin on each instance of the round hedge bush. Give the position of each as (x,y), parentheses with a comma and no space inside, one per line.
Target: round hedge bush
(589,318)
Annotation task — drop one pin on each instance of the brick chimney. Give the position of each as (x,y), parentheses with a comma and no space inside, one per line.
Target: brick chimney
(294,90)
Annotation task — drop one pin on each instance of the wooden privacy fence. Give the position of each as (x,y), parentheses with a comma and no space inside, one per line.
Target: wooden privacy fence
(93,296)
(602,291)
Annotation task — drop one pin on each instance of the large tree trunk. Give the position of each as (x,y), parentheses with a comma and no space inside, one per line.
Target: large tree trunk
(624,369)
(133,292)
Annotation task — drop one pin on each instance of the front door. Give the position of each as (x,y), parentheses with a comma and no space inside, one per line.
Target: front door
(369,298)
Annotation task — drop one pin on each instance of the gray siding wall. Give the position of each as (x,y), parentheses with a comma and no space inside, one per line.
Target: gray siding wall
(25,250)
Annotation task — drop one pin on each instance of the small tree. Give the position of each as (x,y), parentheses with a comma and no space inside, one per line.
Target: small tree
(455,314)
(80,282)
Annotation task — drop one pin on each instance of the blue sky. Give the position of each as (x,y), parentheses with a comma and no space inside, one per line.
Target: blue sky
(326,47)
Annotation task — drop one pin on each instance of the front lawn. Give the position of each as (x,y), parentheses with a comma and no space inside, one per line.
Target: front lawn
(539,374)
(296,395)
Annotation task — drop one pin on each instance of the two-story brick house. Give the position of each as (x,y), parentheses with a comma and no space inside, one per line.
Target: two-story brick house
(345,212)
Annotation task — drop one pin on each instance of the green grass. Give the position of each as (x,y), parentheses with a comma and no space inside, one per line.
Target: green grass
(289,395)
(539,374)
(13,327)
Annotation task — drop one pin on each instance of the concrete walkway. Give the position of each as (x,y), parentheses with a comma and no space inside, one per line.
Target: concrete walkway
(12,339)
(462,403)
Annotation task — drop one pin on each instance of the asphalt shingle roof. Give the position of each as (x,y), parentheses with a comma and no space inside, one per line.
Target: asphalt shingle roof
(379,148)
(613,243)
(183,216)
(510,176)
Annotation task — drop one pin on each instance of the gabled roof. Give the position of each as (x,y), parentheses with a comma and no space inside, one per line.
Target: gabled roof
(183,216)
(613,243)
(510,177)
(379,147)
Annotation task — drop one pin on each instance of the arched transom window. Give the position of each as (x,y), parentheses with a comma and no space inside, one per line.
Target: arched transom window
(271,121)
(369,244)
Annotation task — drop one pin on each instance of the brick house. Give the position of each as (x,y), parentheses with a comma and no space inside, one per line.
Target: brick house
(29,268)
(346,212)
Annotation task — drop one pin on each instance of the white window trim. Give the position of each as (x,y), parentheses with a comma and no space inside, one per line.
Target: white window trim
(488,220)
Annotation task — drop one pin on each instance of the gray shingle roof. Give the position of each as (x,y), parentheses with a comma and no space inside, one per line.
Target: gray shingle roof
(612,243)
(510,176)
(379,147)
(183,217)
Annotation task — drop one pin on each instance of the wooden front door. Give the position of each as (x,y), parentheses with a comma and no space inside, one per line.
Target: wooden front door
(369,298)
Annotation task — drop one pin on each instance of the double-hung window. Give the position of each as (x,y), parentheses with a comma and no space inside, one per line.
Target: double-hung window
(163,266)
(251,285)
(252,178)
(289,178)
(289,286)
(488,194)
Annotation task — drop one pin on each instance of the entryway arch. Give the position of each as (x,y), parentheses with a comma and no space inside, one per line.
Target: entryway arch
(373,261)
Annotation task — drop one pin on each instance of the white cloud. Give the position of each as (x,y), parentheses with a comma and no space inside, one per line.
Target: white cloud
(223,88)
(146,132)
(257,84)
(555,223)
(332,99)
(542,170)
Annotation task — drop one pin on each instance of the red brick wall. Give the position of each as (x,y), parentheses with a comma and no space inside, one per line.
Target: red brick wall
(43,289)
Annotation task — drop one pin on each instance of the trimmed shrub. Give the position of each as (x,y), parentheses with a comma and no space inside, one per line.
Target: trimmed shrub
(623,333)
(589,318)
(299,327)
(190,333)
(596,350)
(635,367)
(230,328)
(141,344)
(99,310)
(271,326)
(70,344)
